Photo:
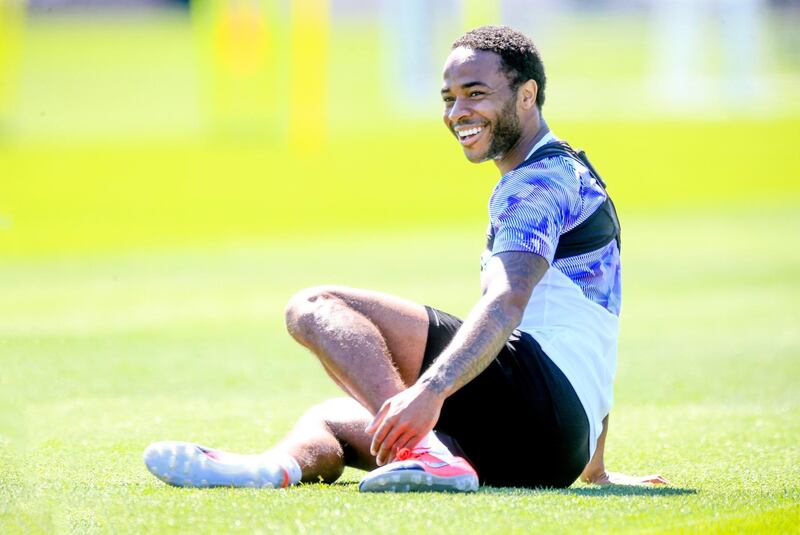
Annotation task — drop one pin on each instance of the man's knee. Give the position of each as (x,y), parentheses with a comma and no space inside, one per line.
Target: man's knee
(307,308)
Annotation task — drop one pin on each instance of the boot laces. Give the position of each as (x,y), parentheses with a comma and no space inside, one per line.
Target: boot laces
(403,454)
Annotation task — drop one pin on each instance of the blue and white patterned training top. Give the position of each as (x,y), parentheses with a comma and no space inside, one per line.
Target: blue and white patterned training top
(573,311)
(535,203)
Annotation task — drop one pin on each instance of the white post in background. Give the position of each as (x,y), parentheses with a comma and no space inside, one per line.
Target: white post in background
(741,50)
(408,54)
(685,31)
(678,54)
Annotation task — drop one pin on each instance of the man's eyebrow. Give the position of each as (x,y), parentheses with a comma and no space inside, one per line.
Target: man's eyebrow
(465,86)
(473,84)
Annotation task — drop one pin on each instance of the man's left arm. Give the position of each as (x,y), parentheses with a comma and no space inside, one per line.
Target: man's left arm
(595,472)
(404,419)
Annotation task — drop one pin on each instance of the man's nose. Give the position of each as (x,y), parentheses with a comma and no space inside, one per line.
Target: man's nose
(458,111)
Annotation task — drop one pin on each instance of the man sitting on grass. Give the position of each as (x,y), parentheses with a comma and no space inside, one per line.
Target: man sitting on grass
(516,394)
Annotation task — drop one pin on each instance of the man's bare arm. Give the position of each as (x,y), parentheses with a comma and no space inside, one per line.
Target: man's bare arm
(595,472)
(596,469)
(405,418)
(509,280)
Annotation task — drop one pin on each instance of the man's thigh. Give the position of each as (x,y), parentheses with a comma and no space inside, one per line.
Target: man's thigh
(403,324)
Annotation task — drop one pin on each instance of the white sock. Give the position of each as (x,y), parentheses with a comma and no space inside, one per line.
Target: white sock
(432,443)
(288,463)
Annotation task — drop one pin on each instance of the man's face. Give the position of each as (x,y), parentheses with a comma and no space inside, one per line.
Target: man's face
(480,109)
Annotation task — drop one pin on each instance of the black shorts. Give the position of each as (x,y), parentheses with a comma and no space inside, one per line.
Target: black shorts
(520,422)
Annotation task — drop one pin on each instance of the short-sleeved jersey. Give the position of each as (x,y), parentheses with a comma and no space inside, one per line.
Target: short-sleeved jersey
(573,311)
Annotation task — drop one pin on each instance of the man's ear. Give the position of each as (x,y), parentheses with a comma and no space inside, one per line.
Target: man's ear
(527,94)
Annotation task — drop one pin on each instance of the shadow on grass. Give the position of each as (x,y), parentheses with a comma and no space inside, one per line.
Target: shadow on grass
(599,492)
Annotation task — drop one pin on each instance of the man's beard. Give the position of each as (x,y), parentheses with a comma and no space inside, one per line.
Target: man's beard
(506,131)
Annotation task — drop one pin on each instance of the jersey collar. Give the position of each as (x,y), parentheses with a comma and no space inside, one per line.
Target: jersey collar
(548,137)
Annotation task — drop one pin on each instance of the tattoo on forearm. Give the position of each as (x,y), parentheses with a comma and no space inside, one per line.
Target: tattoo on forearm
(487,327)
(479,345)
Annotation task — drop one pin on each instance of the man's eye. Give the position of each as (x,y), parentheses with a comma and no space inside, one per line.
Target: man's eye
(476,93)
(448,100)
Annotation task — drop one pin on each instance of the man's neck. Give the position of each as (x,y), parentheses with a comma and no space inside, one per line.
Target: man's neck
(522,147)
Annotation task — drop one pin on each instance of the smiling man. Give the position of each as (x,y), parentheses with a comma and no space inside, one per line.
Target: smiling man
(516,394)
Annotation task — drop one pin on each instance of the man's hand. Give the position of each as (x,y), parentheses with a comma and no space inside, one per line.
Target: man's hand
(616,478)
(403,420)
(595,472)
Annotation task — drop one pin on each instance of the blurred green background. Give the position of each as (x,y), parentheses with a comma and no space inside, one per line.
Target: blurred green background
(162,125)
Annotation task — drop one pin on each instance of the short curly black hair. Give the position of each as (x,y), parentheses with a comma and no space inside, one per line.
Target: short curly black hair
(518,55)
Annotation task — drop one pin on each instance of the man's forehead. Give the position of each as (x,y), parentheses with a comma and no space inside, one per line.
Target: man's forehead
(467,62)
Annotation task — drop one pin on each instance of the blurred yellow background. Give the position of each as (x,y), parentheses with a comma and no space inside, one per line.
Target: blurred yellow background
(149,124)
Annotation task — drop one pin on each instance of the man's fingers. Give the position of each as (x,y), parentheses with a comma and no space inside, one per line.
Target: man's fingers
(370,429)
(383,430)
(388,445)
(615,478)
(408,440)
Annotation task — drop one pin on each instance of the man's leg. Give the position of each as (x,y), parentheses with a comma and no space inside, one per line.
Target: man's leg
(328,437)
(372,344)
(325,439)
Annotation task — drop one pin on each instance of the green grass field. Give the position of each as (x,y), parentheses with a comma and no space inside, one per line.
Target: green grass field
(146,253)
(103,354)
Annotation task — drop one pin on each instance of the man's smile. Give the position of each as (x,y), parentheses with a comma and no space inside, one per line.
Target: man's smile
(468,134)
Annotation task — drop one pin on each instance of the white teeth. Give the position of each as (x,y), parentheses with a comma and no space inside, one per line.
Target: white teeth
(470,132)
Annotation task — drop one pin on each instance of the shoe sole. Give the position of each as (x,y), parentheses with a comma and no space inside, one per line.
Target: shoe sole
(418,481)
(183,464)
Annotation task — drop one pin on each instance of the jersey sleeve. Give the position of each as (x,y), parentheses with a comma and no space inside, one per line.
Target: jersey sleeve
(529,212)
